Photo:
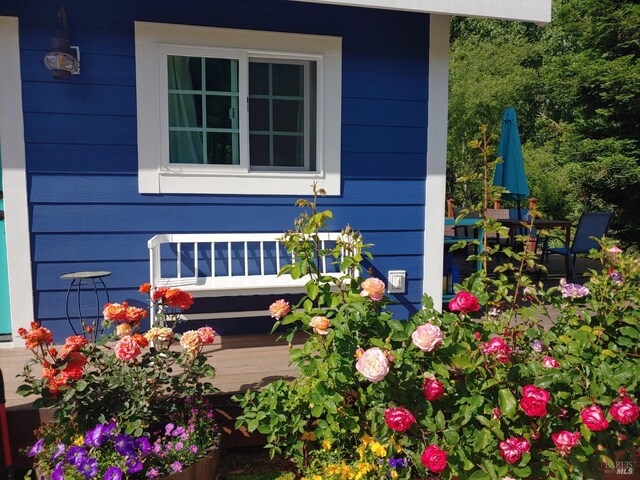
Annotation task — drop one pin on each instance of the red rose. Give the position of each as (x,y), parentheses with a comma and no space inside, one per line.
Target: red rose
(594,419)
(498,347)
(464,302)
(399,419)
(565,441)
(625,411)
(38,336)
(140,340)
(434,458)
(513,448)
(534,401)
(22,332)
(433,389)
(174,297)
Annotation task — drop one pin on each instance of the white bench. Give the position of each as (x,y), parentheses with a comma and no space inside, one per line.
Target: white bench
(228,264)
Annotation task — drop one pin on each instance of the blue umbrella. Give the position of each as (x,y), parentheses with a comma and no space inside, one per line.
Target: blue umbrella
(510,173)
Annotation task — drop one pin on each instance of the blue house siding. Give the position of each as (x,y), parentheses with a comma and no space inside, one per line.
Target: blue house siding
(85,209)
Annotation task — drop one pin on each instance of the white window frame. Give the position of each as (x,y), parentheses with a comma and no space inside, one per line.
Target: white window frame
(155,41)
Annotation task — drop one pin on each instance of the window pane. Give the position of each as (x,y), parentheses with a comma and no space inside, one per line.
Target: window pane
(288,79)
(259,145)
(185,147)
(185,110)
(221,75)
(185,73)
(288,116)
(258,78)
(259,115)
(288,151)
(222,148)
(222,112)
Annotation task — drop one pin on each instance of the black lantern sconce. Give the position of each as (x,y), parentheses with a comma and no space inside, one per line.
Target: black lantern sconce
(63,60)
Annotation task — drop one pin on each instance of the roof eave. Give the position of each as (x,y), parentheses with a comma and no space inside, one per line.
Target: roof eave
(536,11)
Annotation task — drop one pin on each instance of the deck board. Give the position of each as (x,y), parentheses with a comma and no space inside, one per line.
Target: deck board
(241,362)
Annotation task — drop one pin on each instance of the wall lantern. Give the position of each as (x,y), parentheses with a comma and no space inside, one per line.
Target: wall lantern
(63,60)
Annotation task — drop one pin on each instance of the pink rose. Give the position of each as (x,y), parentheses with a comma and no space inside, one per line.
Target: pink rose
(434,458)
(279,308)
(550,362)
(373,288)
(594,419)
(399,419)
(206,335)
(464,302)
(373,365)
(320,325)
(513,448)
(127,349)
(625,411)
(565,441)
(427,337)
(498,347)
(432,389)
(534,401)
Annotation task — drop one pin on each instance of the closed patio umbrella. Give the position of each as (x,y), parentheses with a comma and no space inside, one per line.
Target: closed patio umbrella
(510,173)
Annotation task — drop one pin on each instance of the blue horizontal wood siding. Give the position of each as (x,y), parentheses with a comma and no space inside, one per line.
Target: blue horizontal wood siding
(85,209)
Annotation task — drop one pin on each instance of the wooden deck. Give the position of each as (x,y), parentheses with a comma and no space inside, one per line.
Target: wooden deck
(241,362)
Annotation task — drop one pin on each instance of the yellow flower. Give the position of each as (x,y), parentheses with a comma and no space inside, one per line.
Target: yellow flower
(379,449)
(366,439)
(326,445)
(79,441)
(394,474)
(316,477)
(347,472)
(310,436)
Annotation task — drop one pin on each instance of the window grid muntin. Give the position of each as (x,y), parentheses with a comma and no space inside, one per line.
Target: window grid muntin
(203,92)
(306,98)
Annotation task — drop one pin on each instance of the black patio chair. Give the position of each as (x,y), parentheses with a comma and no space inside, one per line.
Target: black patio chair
(592,225)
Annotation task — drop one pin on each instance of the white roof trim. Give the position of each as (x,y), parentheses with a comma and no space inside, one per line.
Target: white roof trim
(537,11)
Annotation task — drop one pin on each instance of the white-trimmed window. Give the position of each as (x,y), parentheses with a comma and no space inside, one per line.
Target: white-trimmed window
(237,111)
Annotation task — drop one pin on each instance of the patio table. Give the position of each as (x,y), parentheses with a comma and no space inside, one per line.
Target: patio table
(540,224)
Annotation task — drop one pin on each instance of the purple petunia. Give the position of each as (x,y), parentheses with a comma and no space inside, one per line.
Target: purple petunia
(97,436)
(37,448)
(57,473)
(88,467)
(616,277)
(76,455)
(398,462)
(572,290)
(134,465)
(143,446)
(178,431)
(157,448)
(58,451)
(113,473)
(176,466)
(124,445)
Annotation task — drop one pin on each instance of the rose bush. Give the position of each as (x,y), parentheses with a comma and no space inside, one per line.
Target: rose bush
(493,393)
(113,398)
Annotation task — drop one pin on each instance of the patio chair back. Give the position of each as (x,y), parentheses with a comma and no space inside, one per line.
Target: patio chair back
(591,224)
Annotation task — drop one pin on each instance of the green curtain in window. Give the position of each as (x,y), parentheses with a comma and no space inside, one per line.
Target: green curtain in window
(184,148)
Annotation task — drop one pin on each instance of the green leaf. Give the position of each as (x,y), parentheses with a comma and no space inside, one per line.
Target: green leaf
(483,437)
(507,403)
(586,433)
(312,290)
(24,390)
(80,385)
(479,475)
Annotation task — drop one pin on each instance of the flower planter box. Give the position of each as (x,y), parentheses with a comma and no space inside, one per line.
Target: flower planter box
(206,468)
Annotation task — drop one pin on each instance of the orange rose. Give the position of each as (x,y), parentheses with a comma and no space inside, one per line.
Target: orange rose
(73,343)
(373,288)
(320,325)
(145,288)
(158,293)
(140,340)
(123,330)
(22,332)
(38,336)
(113,311)
(190,341)
(75,367)
(134,314)
(175,297)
